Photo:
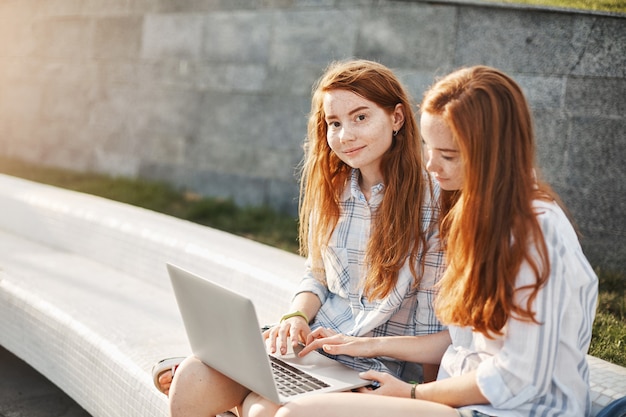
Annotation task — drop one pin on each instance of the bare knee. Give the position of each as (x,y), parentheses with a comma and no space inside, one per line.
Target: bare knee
(198,390)
(289,410)
(283,412)
(257,406)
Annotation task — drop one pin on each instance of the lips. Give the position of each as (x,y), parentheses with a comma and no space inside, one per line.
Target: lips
(353,150)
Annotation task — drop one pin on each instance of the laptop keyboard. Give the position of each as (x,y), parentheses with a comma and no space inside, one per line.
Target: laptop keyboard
(292,381)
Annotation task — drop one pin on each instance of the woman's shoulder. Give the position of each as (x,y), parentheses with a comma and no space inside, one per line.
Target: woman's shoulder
(564,246)
(548,209)
(554,223)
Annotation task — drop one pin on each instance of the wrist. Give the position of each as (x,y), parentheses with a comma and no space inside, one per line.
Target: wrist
(296,313)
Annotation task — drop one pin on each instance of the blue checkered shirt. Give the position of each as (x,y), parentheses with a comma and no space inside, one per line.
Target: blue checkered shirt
(405,311)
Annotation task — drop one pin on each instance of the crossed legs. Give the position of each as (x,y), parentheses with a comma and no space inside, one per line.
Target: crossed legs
(200,391)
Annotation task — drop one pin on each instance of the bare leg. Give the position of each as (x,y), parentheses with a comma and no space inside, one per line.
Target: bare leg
(366,405)
(256,406)
(198,390)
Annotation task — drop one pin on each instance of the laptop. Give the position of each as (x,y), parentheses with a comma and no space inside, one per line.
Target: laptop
(223,331)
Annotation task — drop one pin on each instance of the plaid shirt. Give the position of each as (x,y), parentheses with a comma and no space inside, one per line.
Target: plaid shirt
(405,311)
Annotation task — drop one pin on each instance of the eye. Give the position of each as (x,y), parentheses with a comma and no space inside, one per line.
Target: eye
(360,117)
(333,124)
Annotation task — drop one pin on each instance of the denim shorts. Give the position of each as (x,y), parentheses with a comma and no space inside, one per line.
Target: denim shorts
(471,413)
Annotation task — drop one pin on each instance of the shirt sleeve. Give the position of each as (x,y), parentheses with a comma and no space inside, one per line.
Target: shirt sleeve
(531,354)
(309,283)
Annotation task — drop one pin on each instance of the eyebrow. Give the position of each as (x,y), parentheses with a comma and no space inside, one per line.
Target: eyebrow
(440,149)
(350,113)
(358,109)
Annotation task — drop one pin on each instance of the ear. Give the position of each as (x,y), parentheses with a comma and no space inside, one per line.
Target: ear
(398,117)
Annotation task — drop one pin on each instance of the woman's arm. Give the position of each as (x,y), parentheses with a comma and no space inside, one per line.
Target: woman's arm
(421,349)
(307,303)
(455,391)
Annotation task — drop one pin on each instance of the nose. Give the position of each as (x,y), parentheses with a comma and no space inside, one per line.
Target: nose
(345,134)
(431,165)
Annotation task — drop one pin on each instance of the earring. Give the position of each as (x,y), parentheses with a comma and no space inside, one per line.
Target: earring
(395,133)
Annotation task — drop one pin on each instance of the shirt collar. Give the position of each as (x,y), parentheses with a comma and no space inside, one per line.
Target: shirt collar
(354,190)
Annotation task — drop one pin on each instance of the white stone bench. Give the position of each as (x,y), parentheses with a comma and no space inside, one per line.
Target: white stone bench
(85,298)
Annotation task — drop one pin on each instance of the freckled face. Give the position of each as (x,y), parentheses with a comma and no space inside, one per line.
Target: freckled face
(359,131)
(444,159)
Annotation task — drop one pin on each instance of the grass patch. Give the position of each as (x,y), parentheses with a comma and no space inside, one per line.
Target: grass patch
(267,226)
(609,329)
(257,223)
(615,6)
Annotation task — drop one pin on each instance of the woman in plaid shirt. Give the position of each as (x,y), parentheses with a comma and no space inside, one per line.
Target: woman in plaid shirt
(368,226)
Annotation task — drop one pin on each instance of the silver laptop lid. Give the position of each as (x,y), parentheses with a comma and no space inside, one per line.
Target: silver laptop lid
(209,312)
(223,331)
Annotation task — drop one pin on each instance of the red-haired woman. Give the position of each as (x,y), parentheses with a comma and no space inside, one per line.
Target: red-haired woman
(518,294)
(369,229)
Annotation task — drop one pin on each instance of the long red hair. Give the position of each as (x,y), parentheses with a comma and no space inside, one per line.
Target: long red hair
(491,226)
(396,232)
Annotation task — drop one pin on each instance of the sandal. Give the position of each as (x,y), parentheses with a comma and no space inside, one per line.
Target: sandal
(164,365)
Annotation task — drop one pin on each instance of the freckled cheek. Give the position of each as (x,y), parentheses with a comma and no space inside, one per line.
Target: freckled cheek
(333,141)
(458,175)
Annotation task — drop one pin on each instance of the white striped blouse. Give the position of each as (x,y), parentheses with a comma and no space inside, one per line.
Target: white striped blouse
(538,369)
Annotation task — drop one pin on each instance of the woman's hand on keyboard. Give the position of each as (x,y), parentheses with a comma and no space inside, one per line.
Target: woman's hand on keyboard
(292,331)
(337,344)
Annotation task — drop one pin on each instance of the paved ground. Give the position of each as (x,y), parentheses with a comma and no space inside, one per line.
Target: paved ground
(24,392)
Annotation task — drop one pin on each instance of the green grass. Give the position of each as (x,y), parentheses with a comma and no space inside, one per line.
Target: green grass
(258,223)
(615,6)
(609,329)
(267,226)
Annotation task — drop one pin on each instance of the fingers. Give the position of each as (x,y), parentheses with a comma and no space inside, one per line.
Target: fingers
(373,375)
(325,339)
(387,384)
(291,331)
(319,333)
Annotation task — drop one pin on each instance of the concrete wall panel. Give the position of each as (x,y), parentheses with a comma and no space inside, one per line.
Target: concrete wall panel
(409,37)
(212,96)
(539,42)
(238,37)
(596,96)
(168,36)
(604,49)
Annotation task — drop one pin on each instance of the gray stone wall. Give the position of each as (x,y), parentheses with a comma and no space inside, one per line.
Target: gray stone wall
(212,96)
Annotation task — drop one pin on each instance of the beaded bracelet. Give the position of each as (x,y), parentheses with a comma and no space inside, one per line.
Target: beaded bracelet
(294,314)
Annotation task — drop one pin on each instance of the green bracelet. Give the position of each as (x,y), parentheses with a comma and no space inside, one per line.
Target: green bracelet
(295,314)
